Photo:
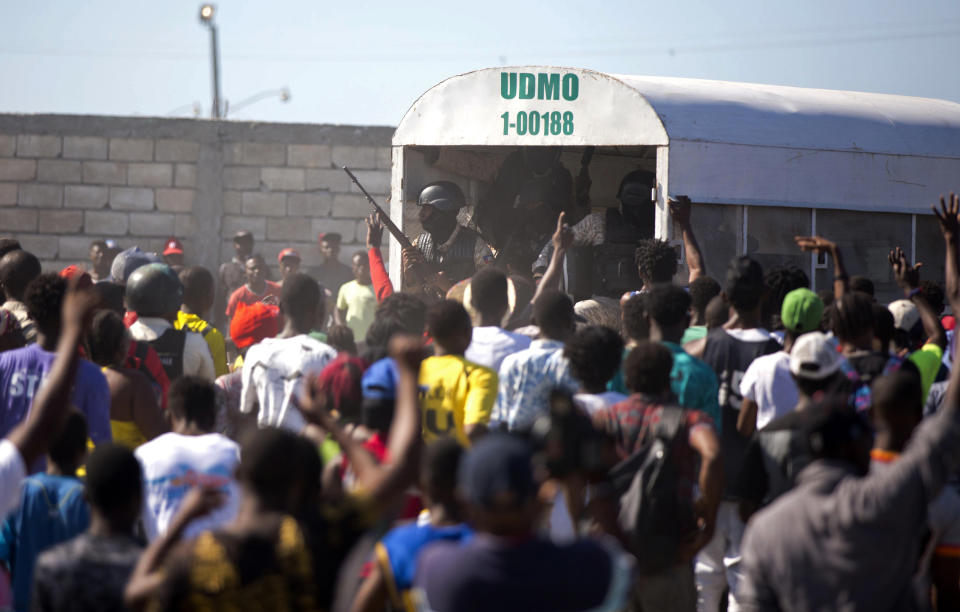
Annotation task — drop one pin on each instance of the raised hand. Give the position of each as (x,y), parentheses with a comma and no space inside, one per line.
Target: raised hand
(374,231)
(907,276)
(562,238)
(408,351)
(78,305)
(200,501)
(949,216)
(680,210)
(817,244)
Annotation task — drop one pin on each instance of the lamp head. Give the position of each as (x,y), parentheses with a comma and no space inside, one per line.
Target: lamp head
(206,14)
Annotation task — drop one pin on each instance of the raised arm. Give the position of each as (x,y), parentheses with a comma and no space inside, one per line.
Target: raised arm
(385,483)
(382,287)
(820,245)
(908,279)
(50,407)
(561,240)
(680,212)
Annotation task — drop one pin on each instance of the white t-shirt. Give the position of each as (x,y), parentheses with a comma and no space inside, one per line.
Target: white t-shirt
(272,374)
(197,360)
(173,464)
(490,344)
(768,382)
(598,402)
(12,472)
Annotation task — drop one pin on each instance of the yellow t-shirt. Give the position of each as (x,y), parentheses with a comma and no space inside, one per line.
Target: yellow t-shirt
(455,393)
(211,335)
(360,302)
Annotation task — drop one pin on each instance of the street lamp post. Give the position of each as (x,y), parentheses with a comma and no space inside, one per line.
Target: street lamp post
(206,18)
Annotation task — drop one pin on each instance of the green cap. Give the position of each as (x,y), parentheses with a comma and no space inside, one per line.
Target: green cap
(801,311)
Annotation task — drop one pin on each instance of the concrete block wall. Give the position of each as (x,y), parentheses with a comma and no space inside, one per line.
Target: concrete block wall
(66,180)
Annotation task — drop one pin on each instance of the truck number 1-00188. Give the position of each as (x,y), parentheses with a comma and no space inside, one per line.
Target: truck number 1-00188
(534,123)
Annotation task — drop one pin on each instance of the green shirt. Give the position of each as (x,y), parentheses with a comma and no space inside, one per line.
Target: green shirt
(927,360)
(694,333)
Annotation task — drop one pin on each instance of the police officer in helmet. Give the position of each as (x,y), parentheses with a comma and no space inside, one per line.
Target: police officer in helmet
(155,293)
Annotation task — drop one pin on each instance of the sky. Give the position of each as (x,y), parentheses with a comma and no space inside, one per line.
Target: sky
(366,62)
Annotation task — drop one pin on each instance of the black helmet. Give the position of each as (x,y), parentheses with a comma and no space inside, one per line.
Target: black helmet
(154,290)
(442,195)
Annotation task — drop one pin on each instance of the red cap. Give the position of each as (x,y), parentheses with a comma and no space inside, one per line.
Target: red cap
(341,382)
(70,271)
(173,247)
(288,253)
(253,322)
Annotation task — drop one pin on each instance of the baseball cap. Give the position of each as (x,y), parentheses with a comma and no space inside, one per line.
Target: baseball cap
(905,314)
(496,473)
(380,380)
(73,270)
(173,247)
(129,260)
(252,323)
(814,357)
(288,253)
(802,310)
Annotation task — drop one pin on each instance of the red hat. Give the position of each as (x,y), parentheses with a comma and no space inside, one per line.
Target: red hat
(70,271)
(288,253)
(341,382)
(173,247)
(253,322)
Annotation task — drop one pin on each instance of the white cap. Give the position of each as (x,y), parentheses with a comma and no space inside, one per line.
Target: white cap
(905,314)
(814,357)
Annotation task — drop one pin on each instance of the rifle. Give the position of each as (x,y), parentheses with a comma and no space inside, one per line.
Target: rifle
(398,234)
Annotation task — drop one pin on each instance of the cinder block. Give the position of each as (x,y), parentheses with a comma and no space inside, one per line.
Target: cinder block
(40,196)
(185,226)
(384,158)
(58,171)
(84,147)
(282,179)
(8,194)
(268,204)
(150,175)
(364,158)
(346,227)
(309,156)
(262,154)
(232,224)
(349,205)
(289,229)
(18,169)
(105,173)
(85,196)
(41,245)
(185,175)
(106,223)
(60,221)
(18,220)
(177,151)
(175,200)
(131,149)
(374,181)
(332,180)
(314,204)
(233,202)
(151,224)
(238,177)
(8,145)
(131,198)
(29,145)
(72,248)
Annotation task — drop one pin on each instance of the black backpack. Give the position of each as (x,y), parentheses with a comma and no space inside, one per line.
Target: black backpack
(652,516)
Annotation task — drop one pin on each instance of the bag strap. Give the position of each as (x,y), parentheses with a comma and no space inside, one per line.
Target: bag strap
(671,420)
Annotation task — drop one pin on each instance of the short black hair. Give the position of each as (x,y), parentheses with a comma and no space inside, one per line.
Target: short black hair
(439,467)
(332,237)
(634,317)
(553,314)
(300,296)
(744,284)
(256,257)
(594,353)
(114,480)
(862,284)
(105,336)
(193,399)
(198,285)
(933,292)
(44,300)
(101,244)
(717,312)
(897,392)
(70,443)
(647,368)
(341,338)
(656,259)
(852,316)
(885,329)
(111,295)
(17,270)
(446,320)
(271,466)
(702,290)
(488,291)
(8,245)
(781,280)
(668,305)
(408,310)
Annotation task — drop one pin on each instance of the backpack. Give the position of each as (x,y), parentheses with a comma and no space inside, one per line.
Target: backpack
(652,516)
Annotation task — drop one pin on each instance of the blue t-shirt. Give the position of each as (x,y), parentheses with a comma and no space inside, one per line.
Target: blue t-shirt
(397,554)
(52,510)
(23,370)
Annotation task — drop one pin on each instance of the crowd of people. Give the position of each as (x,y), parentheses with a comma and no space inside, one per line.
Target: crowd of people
(178,439)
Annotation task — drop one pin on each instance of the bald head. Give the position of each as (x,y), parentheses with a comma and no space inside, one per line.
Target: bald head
(17,269)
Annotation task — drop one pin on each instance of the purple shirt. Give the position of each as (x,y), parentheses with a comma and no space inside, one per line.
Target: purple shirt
(23,370)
